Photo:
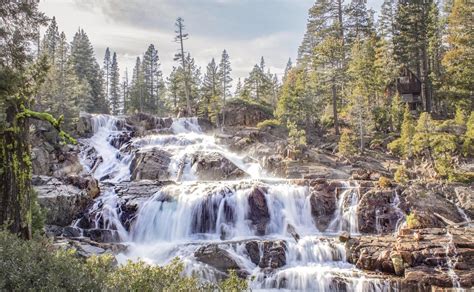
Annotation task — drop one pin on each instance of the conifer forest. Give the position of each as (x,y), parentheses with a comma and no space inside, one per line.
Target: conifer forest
(128,164)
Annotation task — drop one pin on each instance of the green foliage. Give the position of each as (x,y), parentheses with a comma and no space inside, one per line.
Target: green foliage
(37,264)
(468,144)
(346,145)
(38,215)
(233,283)
(396,112)
(272,123)
(296,138)
(401,175)
(403,145)
(412,221)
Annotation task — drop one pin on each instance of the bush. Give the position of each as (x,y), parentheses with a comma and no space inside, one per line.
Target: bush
(346,146)
(273,123)
(384,182)
(401,175)
(38,265)
(412,221)
(38,215)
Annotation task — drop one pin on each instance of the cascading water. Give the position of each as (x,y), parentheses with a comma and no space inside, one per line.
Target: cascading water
(189,214)
(345,218)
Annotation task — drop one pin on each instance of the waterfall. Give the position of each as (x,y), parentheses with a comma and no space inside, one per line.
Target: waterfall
(188,214)
(345,218)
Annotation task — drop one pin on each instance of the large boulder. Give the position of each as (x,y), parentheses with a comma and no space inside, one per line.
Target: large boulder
(239,112)
(62,202)
(267,254)
(150,164)
(430,202)
(258,214)
(378,211)
(214,166)
(323,201)
(216,257)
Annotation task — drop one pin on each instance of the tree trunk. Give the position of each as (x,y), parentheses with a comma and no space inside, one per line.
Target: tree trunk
(334,107)
(15,176)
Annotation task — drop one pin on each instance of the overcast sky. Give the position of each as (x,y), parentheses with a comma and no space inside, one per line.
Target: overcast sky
(248,29)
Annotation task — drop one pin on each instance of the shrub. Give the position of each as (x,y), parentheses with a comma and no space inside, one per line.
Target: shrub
(346,145)
(412,221)
(38,216)
(38,265)
(272,123)
(384,182)
(401,175)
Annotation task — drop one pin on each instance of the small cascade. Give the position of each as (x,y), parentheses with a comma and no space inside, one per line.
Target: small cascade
(451,261)
(345,217)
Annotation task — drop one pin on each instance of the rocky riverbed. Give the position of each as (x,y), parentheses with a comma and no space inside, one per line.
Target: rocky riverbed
(158,188)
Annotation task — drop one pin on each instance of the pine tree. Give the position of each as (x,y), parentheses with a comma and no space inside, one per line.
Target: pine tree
(288,67)
(361,72)
(174,88)
(181,36)
(404,145)
(225,79)
(459,59)
(107,73)
(359,22)
(210,87)
(114,87)
(125,93)
(153,78)
(238,88)
(86,68)
(51,41)
(386,20)
(411,42)
(137,90)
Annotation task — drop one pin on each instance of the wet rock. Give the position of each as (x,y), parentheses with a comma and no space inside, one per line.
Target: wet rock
(253,250)
(344,236)
(120,139)
(63,202)
(68,164)
(292,231)
(102,235)
(378,205)
(323,205)
(214,166)
(258,210)
(150,164)
(84,127)
(274,254)
(84,182)
(216,257)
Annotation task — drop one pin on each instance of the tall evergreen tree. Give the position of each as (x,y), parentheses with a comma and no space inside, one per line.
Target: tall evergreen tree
(51,40)
(210,87)
(137,102)
(225,79)
(459,59)
(181,36)
(288,67)
(115,103)
(153,78)
(125,93)
(107,73)
(86,68)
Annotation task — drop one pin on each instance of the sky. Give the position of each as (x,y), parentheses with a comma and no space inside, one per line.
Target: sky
(247,29)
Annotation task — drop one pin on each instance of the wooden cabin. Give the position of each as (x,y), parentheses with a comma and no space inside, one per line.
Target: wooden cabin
(408,86)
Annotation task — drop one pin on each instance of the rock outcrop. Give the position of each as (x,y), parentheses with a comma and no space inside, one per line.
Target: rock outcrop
(258,211)
(422,257)
(216,257)
(214,166)
(150,164)
(239,112)
(63,202)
